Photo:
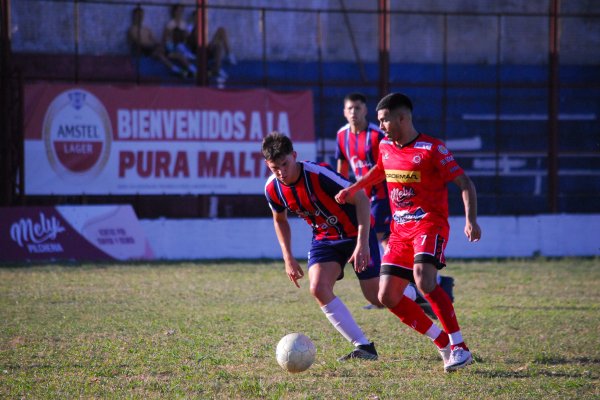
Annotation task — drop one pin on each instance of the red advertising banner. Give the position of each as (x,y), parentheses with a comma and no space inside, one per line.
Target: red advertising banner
(82,233)
(102,139)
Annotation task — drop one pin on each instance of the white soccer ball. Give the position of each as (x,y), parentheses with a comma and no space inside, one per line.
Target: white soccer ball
(295,352)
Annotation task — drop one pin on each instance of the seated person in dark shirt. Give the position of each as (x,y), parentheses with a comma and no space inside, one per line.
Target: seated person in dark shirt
(143,43)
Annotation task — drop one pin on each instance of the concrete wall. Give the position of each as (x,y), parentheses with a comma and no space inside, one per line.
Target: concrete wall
(541,235)
(42,26)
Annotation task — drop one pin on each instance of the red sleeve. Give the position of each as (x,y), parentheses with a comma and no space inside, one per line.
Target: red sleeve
(445,163)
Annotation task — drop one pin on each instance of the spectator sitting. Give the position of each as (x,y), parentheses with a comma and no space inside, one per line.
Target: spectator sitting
(218,50)
(175,37)
(143,43)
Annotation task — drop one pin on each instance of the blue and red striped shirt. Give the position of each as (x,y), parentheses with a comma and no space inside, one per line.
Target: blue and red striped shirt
(361,151)
(312,197)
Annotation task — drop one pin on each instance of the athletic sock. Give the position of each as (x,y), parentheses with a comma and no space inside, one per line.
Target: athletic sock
(438,336)
(338,314)
(412,315)
(456,340)
(442,306)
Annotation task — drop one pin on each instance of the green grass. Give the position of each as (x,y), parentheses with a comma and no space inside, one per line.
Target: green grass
(209,330)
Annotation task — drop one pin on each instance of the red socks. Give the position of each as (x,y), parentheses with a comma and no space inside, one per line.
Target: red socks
(412,315)
(443,308)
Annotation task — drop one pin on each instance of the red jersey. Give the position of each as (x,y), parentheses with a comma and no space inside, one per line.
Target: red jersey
(312,197)
(361,151)
(417,175)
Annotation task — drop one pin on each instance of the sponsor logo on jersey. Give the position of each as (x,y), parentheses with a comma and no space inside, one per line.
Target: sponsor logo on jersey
(443,150)
(423,145)
(417,159)
(77,135)
(401,197)
(446,160)
(400,176)
(401,217)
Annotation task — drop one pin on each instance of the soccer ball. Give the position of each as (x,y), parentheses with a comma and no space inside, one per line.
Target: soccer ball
(295,352)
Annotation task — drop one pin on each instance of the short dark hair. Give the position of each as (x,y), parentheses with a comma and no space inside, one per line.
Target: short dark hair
(276,145)
(356,96)
(393,101)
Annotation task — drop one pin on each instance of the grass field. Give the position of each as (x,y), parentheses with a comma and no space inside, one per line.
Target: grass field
(209,330)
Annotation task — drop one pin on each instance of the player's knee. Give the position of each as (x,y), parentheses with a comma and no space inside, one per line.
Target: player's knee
(320,290)
(388,299)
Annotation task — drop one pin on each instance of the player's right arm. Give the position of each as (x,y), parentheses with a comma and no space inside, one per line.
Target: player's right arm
(284,236)
(373,177)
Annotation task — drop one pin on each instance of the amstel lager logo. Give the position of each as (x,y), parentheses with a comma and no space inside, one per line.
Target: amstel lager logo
(77,134)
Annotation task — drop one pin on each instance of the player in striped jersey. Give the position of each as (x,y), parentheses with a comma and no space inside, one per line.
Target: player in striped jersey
(341,232)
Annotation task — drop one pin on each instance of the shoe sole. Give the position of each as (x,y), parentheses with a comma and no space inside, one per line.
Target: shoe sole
(342,359)
(367,357)
(456,367)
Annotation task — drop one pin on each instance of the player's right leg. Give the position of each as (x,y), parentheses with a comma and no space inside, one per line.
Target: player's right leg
(429,258)
(324,269)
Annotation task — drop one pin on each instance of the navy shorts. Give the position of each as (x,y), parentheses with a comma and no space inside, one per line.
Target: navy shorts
(380,210)
(341,250)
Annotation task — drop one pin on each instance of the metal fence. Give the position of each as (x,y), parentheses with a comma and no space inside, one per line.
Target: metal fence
(514,93)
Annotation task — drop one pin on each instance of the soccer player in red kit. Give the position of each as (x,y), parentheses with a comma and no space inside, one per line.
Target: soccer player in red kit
(341,232)
(417,168)
(358,149)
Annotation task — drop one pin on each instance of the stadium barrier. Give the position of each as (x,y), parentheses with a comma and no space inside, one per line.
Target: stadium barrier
(558,235)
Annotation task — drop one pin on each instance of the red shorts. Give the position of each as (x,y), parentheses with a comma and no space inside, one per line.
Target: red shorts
(427,246)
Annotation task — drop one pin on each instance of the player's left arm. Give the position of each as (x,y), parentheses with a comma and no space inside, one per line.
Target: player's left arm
(469,198)
(361,255)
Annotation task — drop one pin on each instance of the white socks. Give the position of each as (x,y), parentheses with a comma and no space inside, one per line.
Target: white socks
(338,314)
(433,332)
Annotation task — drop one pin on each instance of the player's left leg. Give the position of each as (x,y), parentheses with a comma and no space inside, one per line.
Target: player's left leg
(441,305)
(370,288)
(369,278)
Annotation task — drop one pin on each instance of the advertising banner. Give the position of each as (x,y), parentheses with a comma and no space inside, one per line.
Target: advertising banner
(82,233)
(123,140)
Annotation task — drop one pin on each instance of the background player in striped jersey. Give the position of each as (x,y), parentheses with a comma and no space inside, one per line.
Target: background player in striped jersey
(357,149)
(341,233)
(417,168)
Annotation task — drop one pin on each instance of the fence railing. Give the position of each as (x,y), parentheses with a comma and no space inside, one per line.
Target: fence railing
(515,93)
